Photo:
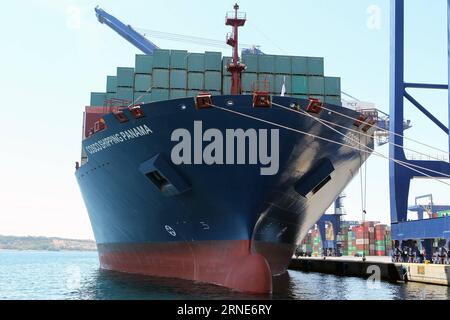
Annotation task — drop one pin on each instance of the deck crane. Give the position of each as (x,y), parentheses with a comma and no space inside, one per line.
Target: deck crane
(126,31)
(140,40)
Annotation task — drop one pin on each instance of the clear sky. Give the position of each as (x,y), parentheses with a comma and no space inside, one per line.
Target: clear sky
(54,53)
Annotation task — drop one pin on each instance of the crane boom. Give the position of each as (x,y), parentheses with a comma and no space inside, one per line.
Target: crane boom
(126,31)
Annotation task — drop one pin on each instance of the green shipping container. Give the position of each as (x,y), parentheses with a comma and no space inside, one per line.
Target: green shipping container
(213,80)
(141,97)
(178,79)
(161,59)
(316,85)
(225,61)
(196,81)
(124,89)
(266,63)
(300,85)
(279,80)
(125,95)
(213,61)
(249,80)
(196,62)
(443,213)
(283,65)
(178,59)
(193,93)
(320,98)
(160,78)
(251,61)
(142,82)
(299,65)
(110,96)
(226,85)
(160,94)
(300,96)
(315,66)
(111,84)
(98,98)
(333,100)
(125,77)
(144,63)
(177,93)
(332,86)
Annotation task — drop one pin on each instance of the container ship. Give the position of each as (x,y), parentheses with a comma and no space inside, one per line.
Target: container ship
(211,168)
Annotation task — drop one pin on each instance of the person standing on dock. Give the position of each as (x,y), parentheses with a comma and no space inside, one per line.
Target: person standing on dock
(442,254)
(396,252)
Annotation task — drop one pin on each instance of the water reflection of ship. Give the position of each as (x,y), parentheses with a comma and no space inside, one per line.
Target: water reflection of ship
(112,285)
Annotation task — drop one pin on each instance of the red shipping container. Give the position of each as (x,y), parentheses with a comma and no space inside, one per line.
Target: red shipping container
(368,224)
(379,237)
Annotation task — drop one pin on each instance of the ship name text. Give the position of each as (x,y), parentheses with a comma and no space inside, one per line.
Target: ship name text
(120,137)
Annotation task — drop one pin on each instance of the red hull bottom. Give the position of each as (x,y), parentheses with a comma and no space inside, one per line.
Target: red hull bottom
(225,263)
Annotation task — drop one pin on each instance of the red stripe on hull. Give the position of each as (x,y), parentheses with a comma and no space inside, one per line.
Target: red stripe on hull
(225,263)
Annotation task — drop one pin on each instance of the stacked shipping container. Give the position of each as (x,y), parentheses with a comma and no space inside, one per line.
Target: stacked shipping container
(172,74)
(316,243)
(445,213)
(368,238)
(125,83)
(306,244)
(302,77)
(351,241)
(167,74)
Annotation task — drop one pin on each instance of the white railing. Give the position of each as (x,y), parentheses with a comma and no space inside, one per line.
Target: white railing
(423,157)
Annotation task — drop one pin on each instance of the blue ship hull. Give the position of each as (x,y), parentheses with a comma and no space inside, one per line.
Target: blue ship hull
(223,224)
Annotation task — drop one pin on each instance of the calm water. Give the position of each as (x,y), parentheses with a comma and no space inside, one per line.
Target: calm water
(75,275)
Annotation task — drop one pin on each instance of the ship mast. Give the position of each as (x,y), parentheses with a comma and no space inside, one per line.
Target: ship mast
(235,67)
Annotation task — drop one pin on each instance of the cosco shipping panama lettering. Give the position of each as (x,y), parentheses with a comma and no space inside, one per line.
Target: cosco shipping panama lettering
(228,206)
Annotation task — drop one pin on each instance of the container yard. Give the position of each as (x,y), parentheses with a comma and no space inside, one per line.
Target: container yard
(353,239)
